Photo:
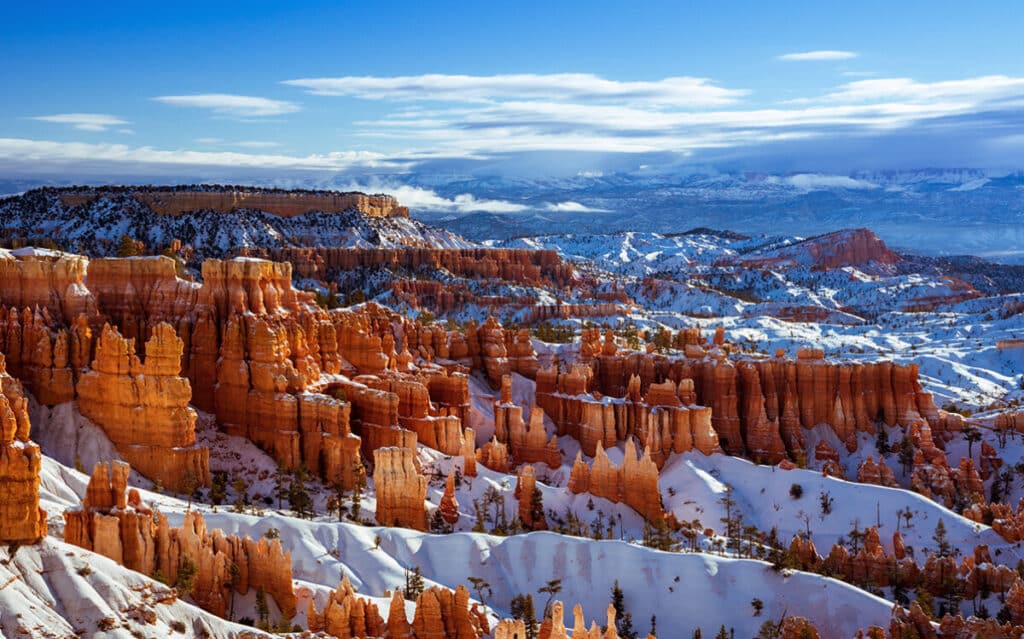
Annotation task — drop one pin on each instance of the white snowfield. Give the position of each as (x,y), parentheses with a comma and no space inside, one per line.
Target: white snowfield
(54,589)
(684,590)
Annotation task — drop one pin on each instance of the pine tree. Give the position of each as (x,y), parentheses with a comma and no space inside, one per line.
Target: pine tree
(126,247)
(186,576)
(537,509)
(696,633)
(298,495)
(722,633)
(413,584)
(479,586)
(236,576)
(241,488)
(768,630)
(219,488)
(550,589)
(623,619)
(925,600)
(522,608)
(943,547)
(262,608)
(281,486)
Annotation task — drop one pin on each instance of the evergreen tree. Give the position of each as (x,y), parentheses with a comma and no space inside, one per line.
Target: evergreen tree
(943,547)
(768,630)
(550,589)
(696,633)
(925,600)
(262,608)
(479,586)
(972,435)
(235,577)
(357,492)
(623,619)
(219,488)
(722,633)
(126,247)
(241,488)
(413,584)
(298,495)
(281,486)
(536,507)
(186,576)
(522,608)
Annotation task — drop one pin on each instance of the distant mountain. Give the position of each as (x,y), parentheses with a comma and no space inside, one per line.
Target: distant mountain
(211,219)
(931,212)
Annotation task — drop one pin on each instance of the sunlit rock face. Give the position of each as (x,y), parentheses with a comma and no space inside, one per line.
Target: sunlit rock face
(21,518)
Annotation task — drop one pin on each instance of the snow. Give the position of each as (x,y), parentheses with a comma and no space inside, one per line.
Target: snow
(53,589)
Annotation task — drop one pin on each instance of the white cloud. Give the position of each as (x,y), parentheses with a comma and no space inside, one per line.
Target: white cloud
(572,207)
(242,106)
(681,91)
(822,55)
(86,121)
(973,90)
(35,153)
(257,144)
(815,181)
(419,198)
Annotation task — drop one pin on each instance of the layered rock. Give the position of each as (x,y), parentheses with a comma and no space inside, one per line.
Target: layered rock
(527,444)
(143,407)
(400,488)
(494,455)
(45,359)
(346,615)
(21,518)
(178,200)
(879,473)
(665,420)
(635,483)
(538,268)
(449,505)
(126,530)
(531,513)
(46,280)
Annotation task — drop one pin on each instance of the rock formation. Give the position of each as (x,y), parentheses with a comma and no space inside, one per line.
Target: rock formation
(126,530)
(449,506)
(21,518)
(531,512)
(400,488)
(143,407)
(665,420)
(178,200)
(527,444)
(635,483)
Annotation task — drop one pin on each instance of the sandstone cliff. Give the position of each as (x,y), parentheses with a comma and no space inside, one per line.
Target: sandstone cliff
(144,407)
(21,518)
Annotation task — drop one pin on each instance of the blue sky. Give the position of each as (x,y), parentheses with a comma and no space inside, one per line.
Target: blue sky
(357,88)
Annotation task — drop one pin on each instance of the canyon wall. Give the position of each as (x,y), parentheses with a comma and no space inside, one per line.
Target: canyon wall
(144,407)
(120,526)
(226,199)
(21,518)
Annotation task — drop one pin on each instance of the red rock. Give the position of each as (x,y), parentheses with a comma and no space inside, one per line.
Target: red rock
(635,483)
(282,204)
(143,406)
(449,505)
(21,518)
(400,488)
(526,483)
